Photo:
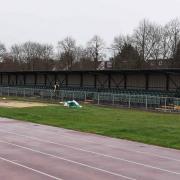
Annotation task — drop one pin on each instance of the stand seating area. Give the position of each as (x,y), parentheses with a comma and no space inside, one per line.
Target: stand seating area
(159,93)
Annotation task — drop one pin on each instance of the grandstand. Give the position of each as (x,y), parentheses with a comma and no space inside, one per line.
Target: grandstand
(161,82)
(150,89)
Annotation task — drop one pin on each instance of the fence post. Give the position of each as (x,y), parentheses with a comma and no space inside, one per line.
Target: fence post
(85,96)
(129,102)
(8,91)
(165,103)
(62,96)
(113,99)
(24,91)
(98,98)
(73,95)
(42,94)
(58,95)
(51,94)
(146,102)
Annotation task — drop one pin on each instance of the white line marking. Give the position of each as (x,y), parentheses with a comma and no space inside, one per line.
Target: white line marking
(156,155)
(29,168)
(96,153)
(68,160)
(133,151)
(139,152)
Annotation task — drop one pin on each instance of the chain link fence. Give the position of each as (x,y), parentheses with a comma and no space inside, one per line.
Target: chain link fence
(166,104)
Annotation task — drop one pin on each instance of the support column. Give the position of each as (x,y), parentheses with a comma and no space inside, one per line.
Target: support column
(167,82)
(1,78)
(9,79)
(35,79)
(45,79)
(81,80)
(66,78)
(125,81)
(109,81)
(147,81)
(95,81)
(24,79)
(55,78)
(16,79)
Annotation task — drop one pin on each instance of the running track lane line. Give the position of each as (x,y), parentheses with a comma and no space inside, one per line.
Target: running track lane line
(29,168)
(100,154)
(139,152)
(68,160)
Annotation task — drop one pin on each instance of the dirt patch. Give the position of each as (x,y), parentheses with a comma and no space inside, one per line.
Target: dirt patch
(19,104)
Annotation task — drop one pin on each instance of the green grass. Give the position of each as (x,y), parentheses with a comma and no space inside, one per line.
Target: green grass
(151,128)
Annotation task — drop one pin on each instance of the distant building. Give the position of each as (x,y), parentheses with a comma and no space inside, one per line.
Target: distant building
(104,65)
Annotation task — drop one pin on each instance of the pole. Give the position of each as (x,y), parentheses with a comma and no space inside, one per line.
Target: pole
(146,102)
(129,101)
(98,98)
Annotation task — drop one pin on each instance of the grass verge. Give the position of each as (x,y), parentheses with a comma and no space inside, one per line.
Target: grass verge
(147,127)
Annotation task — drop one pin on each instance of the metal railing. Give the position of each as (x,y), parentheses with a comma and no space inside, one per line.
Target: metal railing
(167,104)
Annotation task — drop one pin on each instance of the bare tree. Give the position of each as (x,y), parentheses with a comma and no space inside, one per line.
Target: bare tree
(172,34)
(33,56)
(30,54)
(119,42)
(156,43)
(149,45)
(165,52)
(2,51)
(177,56)
(83,59)
(96,48)
(66,52)
(46,51)
(118,45)
(145,38)
(16,52)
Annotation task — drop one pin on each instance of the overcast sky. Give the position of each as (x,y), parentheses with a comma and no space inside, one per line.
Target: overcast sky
(51,20)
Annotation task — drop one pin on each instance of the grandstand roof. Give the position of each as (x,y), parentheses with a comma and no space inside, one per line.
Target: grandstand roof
(127,71)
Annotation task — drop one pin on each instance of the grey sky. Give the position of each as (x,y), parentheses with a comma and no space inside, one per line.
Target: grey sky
(51,20)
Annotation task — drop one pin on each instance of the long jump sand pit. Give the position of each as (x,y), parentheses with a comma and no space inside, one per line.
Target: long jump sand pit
(19,104)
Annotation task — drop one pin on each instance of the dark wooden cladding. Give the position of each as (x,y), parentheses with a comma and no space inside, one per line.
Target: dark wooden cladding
(162,79)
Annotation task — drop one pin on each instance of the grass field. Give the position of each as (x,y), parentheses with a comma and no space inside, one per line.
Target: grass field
(151,128)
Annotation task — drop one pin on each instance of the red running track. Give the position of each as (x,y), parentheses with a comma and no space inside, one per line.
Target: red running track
(30,151)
